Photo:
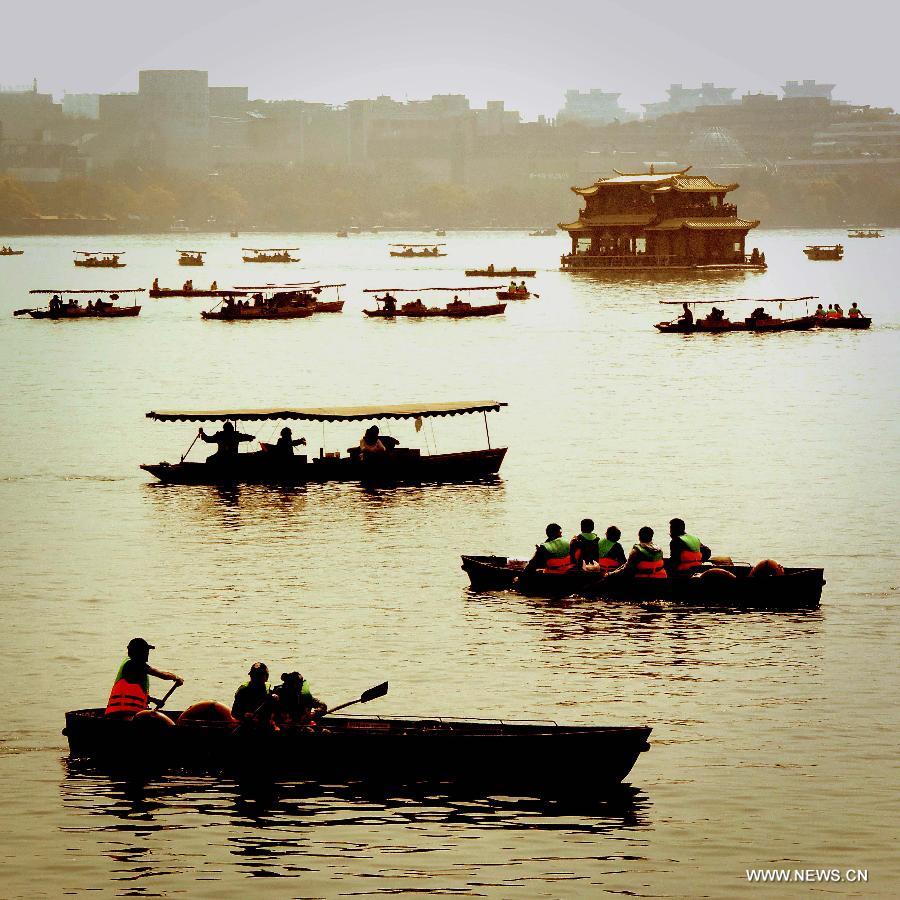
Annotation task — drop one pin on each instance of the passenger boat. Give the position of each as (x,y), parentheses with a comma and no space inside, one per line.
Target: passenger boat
(759,322)
(491,272)
(8,251)
(158,293)
(416,309)
(519,757)
(824,251)
(397,465)
(410,251)
(844,322)
(304,294)
(797,588)
(191,257)
(234,309)
(72,309)
(100,259)
(271,255)
(866,231)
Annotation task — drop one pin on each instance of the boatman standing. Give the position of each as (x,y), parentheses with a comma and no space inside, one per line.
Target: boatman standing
(686,552)
(554,554)
(131,691)
(229,442)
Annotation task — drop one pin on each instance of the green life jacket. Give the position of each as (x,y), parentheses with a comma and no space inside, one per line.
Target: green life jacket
(589,543)
(691,542)
(647,553)
(143,681)
(604,548)
(557,548)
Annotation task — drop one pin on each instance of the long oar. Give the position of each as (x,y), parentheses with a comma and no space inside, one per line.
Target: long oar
(161,703)
(372,693)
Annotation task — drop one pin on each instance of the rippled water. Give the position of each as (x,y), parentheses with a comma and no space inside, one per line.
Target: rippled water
(774,739)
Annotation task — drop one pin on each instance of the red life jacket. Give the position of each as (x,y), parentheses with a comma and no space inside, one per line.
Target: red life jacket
(690,556)
(558,555)
(855,311)
(651,564)
(126,698)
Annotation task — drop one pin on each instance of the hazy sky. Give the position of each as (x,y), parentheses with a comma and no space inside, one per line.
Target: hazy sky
(527,53)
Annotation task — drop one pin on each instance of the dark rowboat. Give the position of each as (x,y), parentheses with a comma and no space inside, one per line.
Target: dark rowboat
(845,322)
(11,252)
(798,588)
(503,273)
(459,311)
(525,757)
(162,293)
(513,295)
(721,326)
(819,252)
(255,313)
(82,312)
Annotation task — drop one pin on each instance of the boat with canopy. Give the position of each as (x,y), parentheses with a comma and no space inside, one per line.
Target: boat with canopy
(714,584)
(388,307)
(758,321)
(305,293)
(270,255)
(865,231)
(99,259)
(417,250)
(821,252)
(191,257)
(8,251)
(60,308)
(393,464)
(491,272)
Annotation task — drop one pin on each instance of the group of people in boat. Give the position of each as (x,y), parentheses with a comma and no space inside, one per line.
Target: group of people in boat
(187,286)
(57,304)
(759,314)
(229,440)
(256,701)
(519,288)
(588,552)
(834,311)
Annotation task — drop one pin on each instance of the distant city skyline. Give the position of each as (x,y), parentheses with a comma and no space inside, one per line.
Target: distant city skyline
(495,50)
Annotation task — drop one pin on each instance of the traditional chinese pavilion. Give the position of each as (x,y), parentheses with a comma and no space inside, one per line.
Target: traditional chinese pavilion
(659,220)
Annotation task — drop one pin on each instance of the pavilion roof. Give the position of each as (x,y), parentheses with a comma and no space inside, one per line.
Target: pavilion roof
(657,181)
(586,223)
(706,224)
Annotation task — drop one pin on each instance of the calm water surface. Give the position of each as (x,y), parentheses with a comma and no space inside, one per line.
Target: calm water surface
(774,739)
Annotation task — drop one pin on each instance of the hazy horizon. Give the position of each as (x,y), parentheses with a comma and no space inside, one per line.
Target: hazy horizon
(488,51)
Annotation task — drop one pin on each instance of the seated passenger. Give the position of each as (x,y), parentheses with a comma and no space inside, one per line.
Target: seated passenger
(646,560)
(584,547)
(831,312)
(370,444)
(854,312)
(820,312)
(286,443)
(554,554)
(252,698)
(130,692)
(611,554)
(687,317)
(294,703)
(839,313)
(686,552)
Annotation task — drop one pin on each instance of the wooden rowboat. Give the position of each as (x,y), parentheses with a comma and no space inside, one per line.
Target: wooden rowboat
(721,326)
(460,311)
(798,588)
(256,313)
(11,252)
(503,273)
(844,322)
(520,757)
(513,295)
(820,252)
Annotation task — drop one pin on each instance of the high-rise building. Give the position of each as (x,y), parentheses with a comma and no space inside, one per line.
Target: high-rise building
(174,106)
(807,88)
(593,107)
(682,99)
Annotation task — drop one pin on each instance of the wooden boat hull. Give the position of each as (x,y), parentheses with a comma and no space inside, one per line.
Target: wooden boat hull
(519,756)
(395,468)
(846,322)
(255,313)
(81,312)
(254,259)
(328,306)
(493,309)
(798,588)
(190,262)
(823,256)
(513,295)
(162,293)
(502,273)
(417,255)
(87,264)
(804,323)
(12,253)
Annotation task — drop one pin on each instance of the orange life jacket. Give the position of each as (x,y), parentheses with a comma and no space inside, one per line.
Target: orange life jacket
(651,564)
(855,311)
(690,556)
(832,314)
(558,555)
(127,698)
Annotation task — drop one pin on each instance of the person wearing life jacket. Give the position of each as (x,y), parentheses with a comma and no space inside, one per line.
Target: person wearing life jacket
(686,552)
(820,312)
(293,701)
(831,312)
(131,690)
(588,551)
(554,554)
(251,698)
(854,312)
(838,312)
(646,560)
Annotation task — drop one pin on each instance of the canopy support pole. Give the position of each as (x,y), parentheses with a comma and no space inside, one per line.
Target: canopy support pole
(486,430)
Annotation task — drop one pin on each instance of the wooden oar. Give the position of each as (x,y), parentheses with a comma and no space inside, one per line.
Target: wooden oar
(372,693)
(161,703)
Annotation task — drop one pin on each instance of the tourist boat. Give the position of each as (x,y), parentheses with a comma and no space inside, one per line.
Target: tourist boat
(440,233)
(824,251)
(191,257)
(844,322)
(518,294)
(99,259)
(61,309)
(8,251)
(517,757)
(158,293)
(542,232)
(179,226)
(271,255)
(261,308)
(398,465)
(304,294)
(342,234)
(410,251)
(865,231)
(710,325)
(491,272)
(416,309)
(797,588)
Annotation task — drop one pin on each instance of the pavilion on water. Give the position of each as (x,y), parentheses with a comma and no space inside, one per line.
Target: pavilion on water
(659,220)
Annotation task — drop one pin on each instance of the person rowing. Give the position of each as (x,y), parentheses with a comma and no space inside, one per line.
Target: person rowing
(130,692)
(286,442)
(686,552)
(687,317)
(294,703)
(553,555)
(251,698)
(228,441)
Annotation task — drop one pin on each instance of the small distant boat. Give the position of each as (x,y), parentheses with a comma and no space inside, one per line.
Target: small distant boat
(542,232)
(179,226)
(388,307)
(342,234)
(60,308)
(99,259)
(491,272)
(866,231)
(191,257)
(824,251)
(440,233)
(233,233)
(271,255)
(409,251)
(517,294)
(8,251)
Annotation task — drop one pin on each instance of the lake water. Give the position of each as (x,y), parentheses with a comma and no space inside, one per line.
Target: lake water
(774,735)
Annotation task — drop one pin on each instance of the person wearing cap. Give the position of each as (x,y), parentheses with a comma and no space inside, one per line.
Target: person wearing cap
(131,690)
(252,695)
(294,702)
(553,554)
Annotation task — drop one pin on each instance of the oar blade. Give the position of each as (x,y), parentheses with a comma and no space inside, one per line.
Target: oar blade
(374,693)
